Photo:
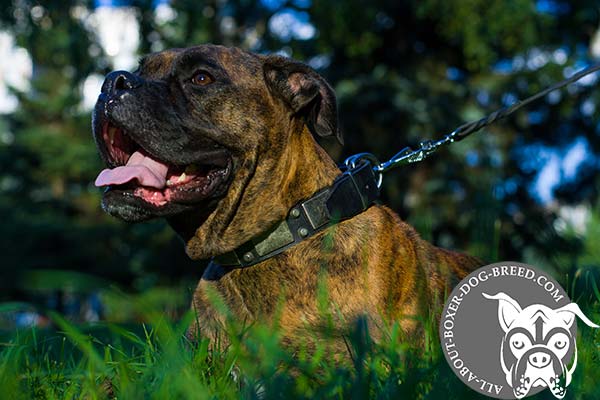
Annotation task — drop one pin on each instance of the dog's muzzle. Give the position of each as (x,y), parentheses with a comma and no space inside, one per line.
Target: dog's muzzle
(539,366)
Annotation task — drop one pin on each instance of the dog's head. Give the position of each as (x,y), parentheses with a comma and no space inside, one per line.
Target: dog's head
(537,345)
(182,137)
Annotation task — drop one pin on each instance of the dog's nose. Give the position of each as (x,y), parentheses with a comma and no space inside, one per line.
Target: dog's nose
(539,359)
(118,81)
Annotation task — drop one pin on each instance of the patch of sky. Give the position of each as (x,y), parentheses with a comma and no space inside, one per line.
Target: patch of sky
(498,191)
(472,158)
(163,12)
(518,63)
(510,186)
(531,158)
(483,97)
(112,3)
(553,166)
(127,3)
(16,69)
(575,156)
(285,51)
(274,5)
(454,74)
(552,7)
(548,178)
(587,80)
(588,107)
(532,60)
(320,61)
(554,97)
(503,67)
(302,3)
(560,55)
(496,158)
(118,32)
(536,117)
(537,58)
(289,24)
(509,99)
(90,89)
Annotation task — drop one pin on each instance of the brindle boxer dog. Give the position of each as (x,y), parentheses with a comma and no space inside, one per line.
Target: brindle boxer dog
(220,142)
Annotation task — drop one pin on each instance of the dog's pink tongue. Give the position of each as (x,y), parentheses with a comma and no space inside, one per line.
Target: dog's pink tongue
(146,170)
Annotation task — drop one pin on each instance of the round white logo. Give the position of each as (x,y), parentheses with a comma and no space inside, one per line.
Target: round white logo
(508,331)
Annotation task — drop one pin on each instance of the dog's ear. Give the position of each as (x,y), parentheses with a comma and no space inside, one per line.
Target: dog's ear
(570,311)
(508,309)
(306,93)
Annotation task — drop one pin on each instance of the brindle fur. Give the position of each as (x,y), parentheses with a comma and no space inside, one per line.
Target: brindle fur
(267,111)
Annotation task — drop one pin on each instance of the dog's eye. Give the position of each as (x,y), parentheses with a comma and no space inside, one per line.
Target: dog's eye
(517,344)
(560,344)
(559,341)
(202,78)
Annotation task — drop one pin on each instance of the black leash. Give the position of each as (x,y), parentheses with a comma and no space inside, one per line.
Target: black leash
(426,148)
(357,188)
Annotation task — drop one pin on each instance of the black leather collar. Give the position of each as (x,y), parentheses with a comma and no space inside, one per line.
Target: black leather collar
(351,193)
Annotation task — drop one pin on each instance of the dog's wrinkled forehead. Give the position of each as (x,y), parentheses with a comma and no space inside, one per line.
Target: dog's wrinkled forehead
(540,314)
(231,61)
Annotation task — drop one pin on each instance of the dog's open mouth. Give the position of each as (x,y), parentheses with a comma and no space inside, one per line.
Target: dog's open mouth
(134,172)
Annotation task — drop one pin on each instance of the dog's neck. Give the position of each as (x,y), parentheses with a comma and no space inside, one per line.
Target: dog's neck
(308,169)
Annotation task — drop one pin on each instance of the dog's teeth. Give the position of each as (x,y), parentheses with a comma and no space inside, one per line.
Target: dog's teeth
(111,135)
(169,183)
(181,178)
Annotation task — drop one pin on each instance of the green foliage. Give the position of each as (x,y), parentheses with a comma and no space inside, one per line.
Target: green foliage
(156,361)
(485,30)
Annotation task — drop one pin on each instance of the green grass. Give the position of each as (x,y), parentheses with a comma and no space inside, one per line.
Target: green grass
(155,361)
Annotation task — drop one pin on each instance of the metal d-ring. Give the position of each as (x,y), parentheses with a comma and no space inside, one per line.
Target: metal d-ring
(355,160)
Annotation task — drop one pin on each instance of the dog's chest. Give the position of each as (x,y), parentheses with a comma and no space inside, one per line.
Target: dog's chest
(296,294)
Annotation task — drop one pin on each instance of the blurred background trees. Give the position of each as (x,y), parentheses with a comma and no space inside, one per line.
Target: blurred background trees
(525,189)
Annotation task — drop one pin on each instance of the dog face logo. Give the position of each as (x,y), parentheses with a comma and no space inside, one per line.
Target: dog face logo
(538,344)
